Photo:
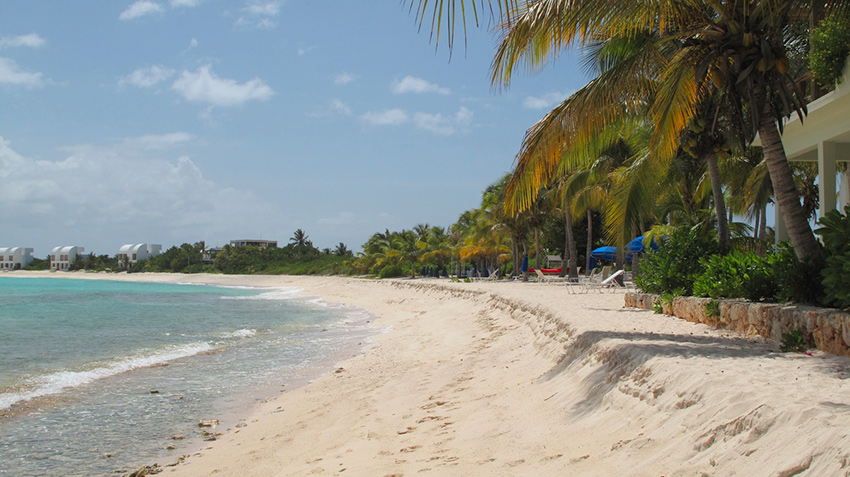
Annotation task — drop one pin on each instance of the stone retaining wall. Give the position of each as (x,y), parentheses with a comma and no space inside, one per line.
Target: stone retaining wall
(828,329)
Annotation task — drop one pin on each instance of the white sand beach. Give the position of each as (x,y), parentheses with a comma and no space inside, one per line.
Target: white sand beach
(508,378)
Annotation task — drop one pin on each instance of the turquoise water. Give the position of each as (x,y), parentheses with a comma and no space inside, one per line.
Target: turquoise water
(79,360)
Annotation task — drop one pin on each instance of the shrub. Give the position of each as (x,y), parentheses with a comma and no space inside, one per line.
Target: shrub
(793,341)
(836,271)
(676,264)
(830,47)
(391,271)
(712,308)
(738,275)
(798,281)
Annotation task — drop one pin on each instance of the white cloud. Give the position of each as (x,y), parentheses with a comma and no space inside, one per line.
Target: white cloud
(206,87)
(141,8)
(147,77)
(547,101)
(259,15)
(340,107)
(334,107)
(156,142)
(270,9)
(184,3)
(436,123)
(409,84)
(387,117)
(31,40)
(12,74)
(120,191)
(344,78)
(440,124)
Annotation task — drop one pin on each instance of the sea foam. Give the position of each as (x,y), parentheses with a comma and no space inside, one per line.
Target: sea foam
(60,381)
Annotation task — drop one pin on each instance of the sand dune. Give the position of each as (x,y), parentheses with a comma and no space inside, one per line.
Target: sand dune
(527,379)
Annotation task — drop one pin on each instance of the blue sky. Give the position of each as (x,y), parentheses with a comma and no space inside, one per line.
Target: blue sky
(171,121)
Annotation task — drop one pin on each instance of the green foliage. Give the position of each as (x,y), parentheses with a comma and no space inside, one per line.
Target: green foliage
(830,47)
(738,275)
(391,271)
(794,341)
(676,264)
(95,262)
(658,307)
(835,232)
(39,264)
(712,308)
(799,281)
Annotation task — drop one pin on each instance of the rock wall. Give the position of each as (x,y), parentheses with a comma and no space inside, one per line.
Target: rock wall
(827,329)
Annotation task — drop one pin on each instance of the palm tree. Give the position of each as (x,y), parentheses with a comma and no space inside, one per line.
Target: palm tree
(341,250)
(735,51)
(300,239)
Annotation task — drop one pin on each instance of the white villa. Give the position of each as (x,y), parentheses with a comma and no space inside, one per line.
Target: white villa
(254,243)
(14,258)
(133,252)
(62,257)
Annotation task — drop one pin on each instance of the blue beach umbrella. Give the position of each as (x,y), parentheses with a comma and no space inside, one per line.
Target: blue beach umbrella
(524,267)
(636,245)
(607,253)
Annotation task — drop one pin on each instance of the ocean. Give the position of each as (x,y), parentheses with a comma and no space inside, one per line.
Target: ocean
(97,377)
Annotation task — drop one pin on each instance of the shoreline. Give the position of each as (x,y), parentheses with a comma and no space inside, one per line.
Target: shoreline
(496,378)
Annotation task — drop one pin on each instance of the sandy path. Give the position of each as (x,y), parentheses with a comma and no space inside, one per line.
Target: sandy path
(527,379)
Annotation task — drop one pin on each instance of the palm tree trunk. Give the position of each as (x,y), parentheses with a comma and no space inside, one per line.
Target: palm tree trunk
(589,246)
(570,245)
(719,201)
(763,224)
(756,225)
(537,246)
(787,197)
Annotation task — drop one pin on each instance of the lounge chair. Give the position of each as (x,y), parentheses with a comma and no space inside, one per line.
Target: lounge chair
(542,277)
(608,283)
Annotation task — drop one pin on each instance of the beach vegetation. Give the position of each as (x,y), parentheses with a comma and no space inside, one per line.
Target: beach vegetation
(391,271)
(676,264)
(39,264)
(799,280)
(830,47)
(835,232)
(794,341)
(712,308)
(738,275)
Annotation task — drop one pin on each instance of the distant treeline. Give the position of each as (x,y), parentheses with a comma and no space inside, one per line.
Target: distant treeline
(299,257)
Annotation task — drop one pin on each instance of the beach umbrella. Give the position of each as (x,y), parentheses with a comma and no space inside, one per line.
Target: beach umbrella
(607,253)
(636,245)
(524,267)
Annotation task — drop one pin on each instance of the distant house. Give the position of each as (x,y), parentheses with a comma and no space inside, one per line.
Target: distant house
(254,243)
(209,254)
(14,258)
(133,252)
(554,261)
(61,257)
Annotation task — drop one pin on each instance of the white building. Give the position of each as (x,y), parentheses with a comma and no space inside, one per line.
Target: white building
(133,252)
(14,258)
(61,257)
(254,243)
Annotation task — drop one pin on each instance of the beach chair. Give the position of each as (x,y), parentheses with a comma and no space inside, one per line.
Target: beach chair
(608,283)
(542,277)
(598,275)
(573,281)
(492,274)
